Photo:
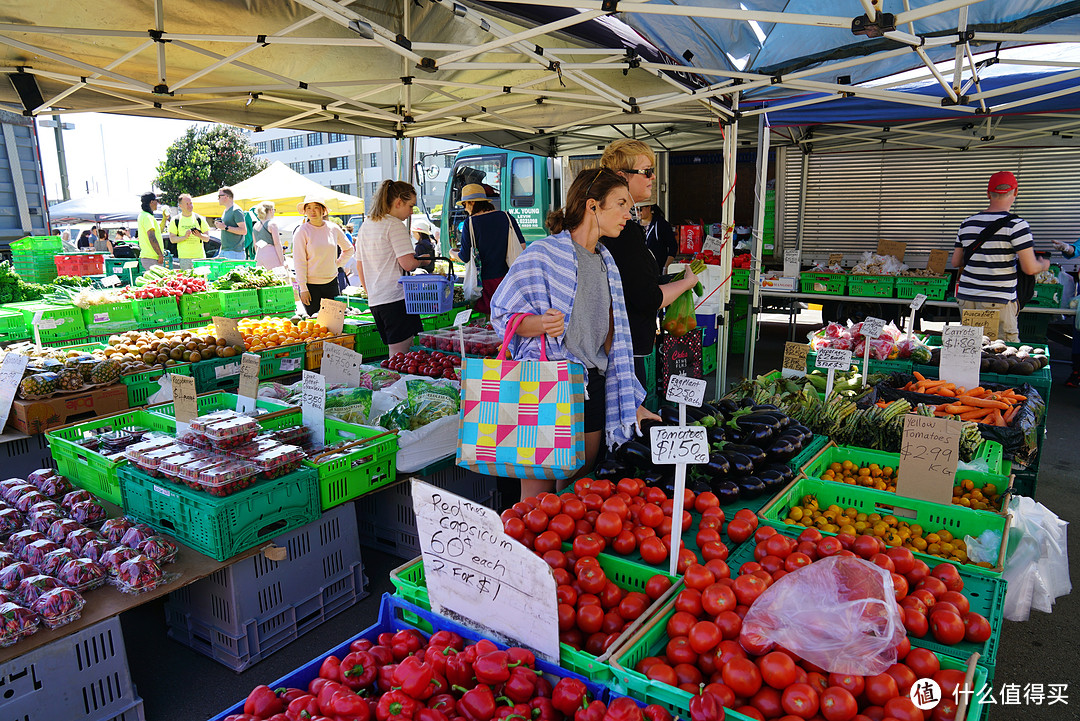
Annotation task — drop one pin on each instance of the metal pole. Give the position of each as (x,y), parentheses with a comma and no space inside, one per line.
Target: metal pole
(105,160)
(758,242)
(803,175)
(61,157)
(727,220)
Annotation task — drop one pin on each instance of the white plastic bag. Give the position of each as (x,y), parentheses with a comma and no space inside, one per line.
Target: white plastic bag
(839,613)
(1037,567)
(470,284)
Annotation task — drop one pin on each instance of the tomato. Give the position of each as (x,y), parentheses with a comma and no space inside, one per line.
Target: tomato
(590,617)
(749,567)
(915,622)
(652,550)
(592,579)
(742,676)
(705,500)
(928,599)
(903,676)
(624,544)
(713,550)
(763,533)
(574,508)
(919,571)
(663,673)
(657,586)
(641,533)
(689,600)
(865,547)
(748,588)
(767,701)
(800,700)
(949,679)
(536,520)
(678,650)
(592,501)
(900,586)
(616,505)
(711,522)
(948,574)
(680,623)
(913,603)
(551,504)
(718,598)
(547,541)
(942,606)
(567,617)
(739,530)
(610,595)
(730,625)
(828,546)
(608,524)
(704,636)
(850,682)
(934,585)
(922,662)
(976,628)
(515,528)
(902,558)
(565,593)
(688,674)
(880,559)
(957,599)
(948,628)
(632,605)
(650,515)
(723,694)
(812,535)
(629,486)
(508,514)
(795,561)
(562,525)
(698,577)
(588,545)
(708,535)
(777,670)
(750,712)
(817,681)
(838,704)
(719,566)
(880,689)
(771,564)
(777,545)
(903,709)
(555,559)
(946,710)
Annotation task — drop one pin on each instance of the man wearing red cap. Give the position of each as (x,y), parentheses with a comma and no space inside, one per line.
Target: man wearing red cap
(991,248)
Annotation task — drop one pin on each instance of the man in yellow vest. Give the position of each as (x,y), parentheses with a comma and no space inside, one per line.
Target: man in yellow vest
(188,232)
(151,247)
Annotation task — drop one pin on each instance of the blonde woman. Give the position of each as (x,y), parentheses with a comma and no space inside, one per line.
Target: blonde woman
(316,256)
(269,252)
(384,252)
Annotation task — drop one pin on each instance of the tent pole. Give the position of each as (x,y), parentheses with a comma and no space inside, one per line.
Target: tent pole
(727,221)
(758,241)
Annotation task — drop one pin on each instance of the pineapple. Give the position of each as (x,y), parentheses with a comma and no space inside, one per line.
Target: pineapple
(40,384)
(106,371)
(86,367)
(70,379)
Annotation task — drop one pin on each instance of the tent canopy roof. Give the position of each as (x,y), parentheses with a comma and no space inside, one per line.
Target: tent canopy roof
(285,188)
(547,76)
(96,209)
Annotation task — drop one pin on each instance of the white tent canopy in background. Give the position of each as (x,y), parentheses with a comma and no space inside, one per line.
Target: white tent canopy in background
(97,209)
(284,187)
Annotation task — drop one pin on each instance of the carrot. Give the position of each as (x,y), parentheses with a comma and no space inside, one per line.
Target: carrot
(977,414)
(932,384)
(918,376)
(960,391)
(1010,414)
(983,402)
(953,408)
(995,418)
(945,392)
(977,392)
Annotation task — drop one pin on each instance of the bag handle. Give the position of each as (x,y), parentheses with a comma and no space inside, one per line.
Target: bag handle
(511,329)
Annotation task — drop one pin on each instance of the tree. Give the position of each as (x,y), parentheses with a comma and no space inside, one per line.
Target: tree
(204,159)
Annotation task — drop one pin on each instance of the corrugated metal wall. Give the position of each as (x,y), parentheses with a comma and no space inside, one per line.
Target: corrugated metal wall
(28,175)
(854,199)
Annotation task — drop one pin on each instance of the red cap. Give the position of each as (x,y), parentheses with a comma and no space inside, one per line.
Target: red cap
(1002,182)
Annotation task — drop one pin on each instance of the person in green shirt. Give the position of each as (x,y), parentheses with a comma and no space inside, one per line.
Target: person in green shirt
(150,243)
(233,227)
(188,232)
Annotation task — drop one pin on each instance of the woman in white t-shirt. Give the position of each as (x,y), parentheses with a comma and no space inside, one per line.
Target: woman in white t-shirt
(315,254)
(384,252)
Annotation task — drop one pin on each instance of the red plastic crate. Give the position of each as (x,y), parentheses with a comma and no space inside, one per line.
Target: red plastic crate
(79,264)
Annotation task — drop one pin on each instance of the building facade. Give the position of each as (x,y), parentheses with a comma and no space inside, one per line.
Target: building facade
(355,164)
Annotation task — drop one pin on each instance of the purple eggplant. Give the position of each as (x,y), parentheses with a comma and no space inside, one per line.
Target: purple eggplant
(781,450)
(726,491)
(750,487)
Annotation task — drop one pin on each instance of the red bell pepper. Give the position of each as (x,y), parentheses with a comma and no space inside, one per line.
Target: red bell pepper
(520,687)
(331,668)
(459,671)
(477,704)
(626,709)
(542,710)
(492,668)
(396,706)
(361,644)
(326,693)
(656,712)
(316,685)
(415,678)
(543,687)
(304,708)
(263,702)
(437,656)
(385,677)
(382,654)
(569,695)
(358,670)
(444,639)
(445,702)
(242,717)
(347,706)
(405,643)
(385,638)
(430,714)
(593,712)
(287,695)
(521,657)
(705,707)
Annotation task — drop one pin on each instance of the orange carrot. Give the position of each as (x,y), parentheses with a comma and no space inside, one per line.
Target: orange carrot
(977,392)
(945,392)
(977,414)
(918,376)
(1010,414)
(983,402)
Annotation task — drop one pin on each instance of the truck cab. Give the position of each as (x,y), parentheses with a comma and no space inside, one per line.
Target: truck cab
(522,182)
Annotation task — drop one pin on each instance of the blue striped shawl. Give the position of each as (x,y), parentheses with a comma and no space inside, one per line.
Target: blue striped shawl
(544,276)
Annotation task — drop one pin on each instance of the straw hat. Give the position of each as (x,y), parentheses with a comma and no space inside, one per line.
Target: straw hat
(473,192)
(313,197)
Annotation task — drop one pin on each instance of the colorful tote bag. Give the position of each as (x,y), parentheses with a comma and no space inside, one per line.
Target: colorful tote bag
(522,419)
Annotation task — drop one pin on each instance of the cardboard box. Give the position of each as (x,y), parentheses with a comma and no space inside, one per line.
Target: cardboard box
(781,283)
(691,239)
(41,415)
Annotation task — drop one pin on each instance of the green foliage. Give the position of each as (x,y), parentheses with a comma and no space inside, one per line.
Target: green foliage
(204,159)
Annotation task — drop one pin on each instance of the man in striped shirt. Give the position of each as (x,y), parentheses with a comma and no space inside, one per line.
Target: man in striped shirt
(988,279)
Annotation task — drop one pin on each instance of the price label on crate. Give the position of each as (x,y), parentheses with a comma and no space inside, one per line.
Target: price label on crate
(833,359)
(229,329)
(929,451)
(937,261)
(961,354)
(917,301)
(477,574)
(690,391)
(792,262)
(249,382)
(131,264)
(794,365)
(313,405)
(341,365)
(679,444)
(227,371)
(40,323)
(110,281)
(185,403)
(988,320)
(291,364)
(836,259)
(716,245)
(332,315)
(462,318)
(11,373)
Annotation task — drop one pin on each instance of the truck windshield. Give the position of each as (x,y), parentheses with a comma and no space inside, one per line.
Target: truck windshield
(486,169)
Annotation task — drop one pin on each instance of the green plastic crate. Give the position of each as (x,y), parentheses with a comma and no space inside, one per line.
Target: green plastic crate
(277,362)
(740,278)
(240,303)
(993,454)
(37,244)
(221,527)
(109,319)
(220,266)
(824,283)
(353,301)
(278,414)
(1047,295)
(368,342)
(411,584)
(69,320)
(360,470)
(871,286)
(115,266)
(200,307)
(932,288)
(277,299)
(810,450)
(143,384)
(216,374)
(931,516)
(13,326)
(151,313)
(92,470)
(708,359)
(652,643)
(1033,326)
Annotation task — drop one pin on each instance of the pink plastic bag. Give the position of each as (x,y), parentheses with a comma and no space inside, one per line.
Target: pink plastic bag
(839,613)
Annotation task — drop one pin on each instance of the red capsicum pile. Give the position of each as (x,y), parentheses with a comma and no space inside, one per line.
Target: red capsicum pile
(404,677)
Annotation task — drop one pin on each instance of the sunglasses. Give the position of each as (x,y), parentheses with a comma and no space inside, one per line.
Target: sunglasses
(647,172)
(589,186)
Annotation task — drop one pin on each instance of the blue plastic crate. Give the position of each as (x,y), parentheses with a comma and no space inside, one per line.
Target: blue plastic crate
(427,293)
(396,614)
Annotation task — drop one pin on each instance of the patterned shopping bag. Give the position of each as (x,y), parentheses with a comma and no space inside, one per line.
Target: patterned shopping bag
(522,419)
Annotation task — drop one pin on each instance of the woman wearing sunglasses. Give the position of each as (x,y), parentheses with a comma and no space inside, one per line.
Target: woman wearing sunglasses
(635,162)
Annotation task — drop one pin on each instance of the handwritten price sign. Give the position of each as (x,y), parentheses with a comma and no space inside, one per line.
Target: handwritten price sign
(690,391)
(929,451)
(674,444)
(961,351)
(833,359)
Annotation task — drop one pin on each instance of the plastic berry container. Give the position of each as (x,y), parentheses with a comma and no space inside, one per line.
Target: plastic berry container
(159,548)
(257,446)
(139,574)
(232,433)
(42,522)
(82,574)
(115,441)
(40,507)
(28,499)
(95,550)
(59,606)
(10,521)
(7,558)
(276,462)
(7,485)
(114,529)
(16,622)
(199,424)
(77,540)
(36,477)
(31,587)
(35,552)
(226,477)
(76,496)
(296,435)
(11,576)
(60,529)
(88,512)
(136,534)
(150,460)
(173,466)
(112,558)
(55,560)
(54,486)
(21,539)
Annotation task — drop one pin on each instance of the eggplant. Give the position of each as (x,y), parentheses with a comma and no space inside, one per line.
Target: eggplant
(669,416)
(783,469)
(755,454)
(646,425)
(717,469)
(726,491)
(795,439)
(611,469)
(764,407)
(634,454)
(757,434)
(653,477)
(693,414)
(738,464)
(771,420)
(805,433)
(774,480)
(697,486)
(716,434)
(709,409)
(781,450)
(779,416)
(735,435)
(746,402)
(727,406)
(750,487)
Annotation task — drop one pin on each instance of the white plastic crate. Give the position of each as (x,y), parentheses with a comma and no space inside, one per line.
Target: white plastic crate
(81,677)
(258,639)
(320,554)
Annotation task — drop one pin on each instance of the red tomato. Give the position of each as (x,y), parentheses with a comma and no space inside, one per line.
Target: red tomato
(750,712)
(642,532)
(689,600)
(771,564)
(849,682)
(713,550)
(663,673)
(922,662)
(616,505)
(838,704)
(777,670)
(880,689)
(536,520)
(880,559)
(680,623)
(795,561)
(704,636)
(567,617)
(555,559)
(778,545)
(947,627)
(949,679)
(563,525)
(708,535)
(608,524)
(756,644)
(550,504)
(767,701)
(957,599)
(632,605)
(574,508)
(657,586)
(800,700)
(588,545)
(865,547)
(812,535)
(547,541)
(678,650)
(730,624)
(934,585)
(739,530)
(903,676)
(719,566)
(928,599)
(918,572)
(916,623)
(652,550)
(976,628)
(565,593)
(698,577)
(748,588)
(903,709)
(688,675)
(763,533)
(900,586)
(902,558)
(723,694)
(718,598)
(610,595)
(942,606)
(948,574)
(705,500)
(828,546)
(515,528)
(590,618)
(748,515)
(945,710)
(592,579)
(624,544)
(741,675)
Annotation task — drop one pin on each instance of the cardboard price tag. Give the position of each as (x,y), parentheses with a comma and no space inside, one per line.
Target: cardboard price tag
(917,301)
(332,315)
(313,405)
(833,359)
(228,329)
(185,402)
(249,382)
(478,575)
(690,391)
(937,261)
(341,365)
(836,258)
(961,354)
(988,320)
(203,270)
(679,444)
(11,373)
(794,364)
(929,453)
(892,247)
(131,264)
(792,262)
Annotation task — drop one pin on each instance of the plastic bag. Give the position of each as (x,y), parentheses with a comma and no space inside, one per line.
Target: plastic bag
(470,284)
(1037,566)
(839,613)
(679,318)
